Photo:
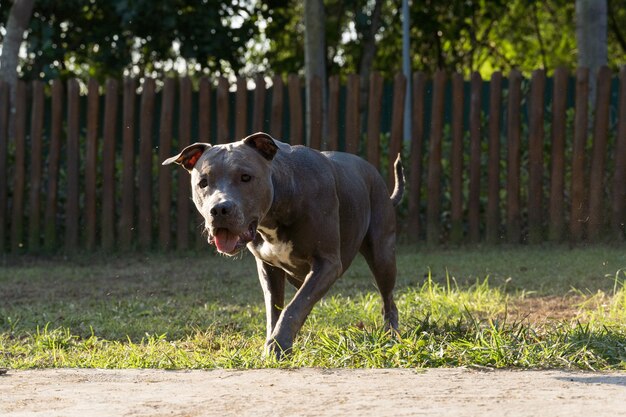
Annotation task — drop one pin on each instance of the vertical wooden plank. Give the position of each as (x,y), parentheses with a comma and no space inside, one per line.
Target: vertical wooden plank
(108,165)
(17,215)
(36,132)
(475,151)
(557,172)
(241,109)
(417,153)
(184,193)
(204,130)
(316,122)
(4,139)
(145,164)
(165,151)
(126,224)
(578,210)
(618,200)
(598,155)
(535,157)
(222,106)
(204,111)
(397,125)
(352,114)
(333,113)
(374,110)
(91,158)
(296,124)
(278,94)
(493,187)
(54,154)
(258,114)
(513,212)
(456,161)
(72,170)
(433,210)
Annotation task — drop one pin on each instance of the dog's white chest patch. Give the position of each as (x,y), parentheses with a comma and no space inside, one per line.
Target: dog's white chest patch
(273,250)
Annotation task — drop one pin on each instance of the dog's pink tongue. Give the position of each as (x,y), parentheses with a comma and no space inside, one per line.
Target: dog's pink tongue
(225,241)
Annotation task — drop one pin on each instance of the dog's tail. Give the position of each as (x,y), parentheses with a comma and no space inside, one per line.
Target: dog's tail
(398,189)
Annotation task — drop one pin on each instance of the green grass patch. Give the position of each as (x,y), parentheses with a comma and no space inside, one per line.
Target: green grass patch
(459,307)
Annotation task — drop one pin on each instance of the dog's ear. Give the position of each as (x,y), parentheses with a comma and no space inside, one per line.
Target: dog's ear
(263,143)
(188,156)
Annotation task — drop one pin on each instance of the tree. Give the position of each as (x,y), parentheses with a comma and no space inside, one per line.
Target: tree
(19,18)
(314,54)
(591,37)
(108,38)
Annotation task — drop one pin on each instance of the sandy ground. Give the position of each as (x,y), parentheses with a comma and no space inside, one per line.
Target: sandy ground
(311,392)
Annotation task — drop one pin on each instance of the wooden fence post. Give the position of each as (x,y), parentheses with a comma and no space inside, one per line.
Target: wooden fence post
(493,186)
(91,167)
(165,174)
(126,222)
(17,215)
(258,116)
(618,206)
(475,151)
(352,132)
(4,138)
(417,154)
(535,157)
(222,106)
(145,164)
(183,199)
(557,175)
(513,214)
(396,136)
(72,213)
(241,108)
(108,165)
(36,132)
(598,155)
(373,118)
(278,94)
(433,211)
(456,160)
(295,110)
(204,130)
(578,210)
(316,117)
(333,113)
(54,155)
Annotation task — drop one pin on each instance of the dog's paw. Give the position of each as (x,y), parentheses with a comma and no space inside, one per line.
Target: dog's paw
(274,349)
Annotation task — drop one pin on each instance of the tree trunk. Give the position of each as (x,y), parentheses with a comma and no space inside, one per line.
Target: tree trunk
(591,37)
(19,18)
(315,57)
(367,56)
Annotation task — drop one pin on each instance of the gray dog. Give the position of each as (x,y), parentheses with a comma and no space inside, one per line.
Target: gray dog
(303,214)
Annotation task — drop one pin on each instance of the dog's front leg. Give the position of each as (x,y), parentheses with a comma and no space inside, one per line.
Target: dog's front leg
(273,283)
(324,272)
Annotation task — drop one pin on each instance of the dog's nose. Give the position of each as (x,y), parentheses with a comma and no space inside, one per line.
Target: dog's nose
(223,209)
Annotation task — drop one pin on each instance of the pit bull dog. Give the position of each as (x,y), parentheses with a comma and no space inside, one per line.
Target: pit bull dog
(303,214)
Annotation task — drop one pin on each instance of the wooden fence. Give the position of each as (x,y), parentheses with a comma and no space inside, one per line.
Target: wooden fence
(499,160)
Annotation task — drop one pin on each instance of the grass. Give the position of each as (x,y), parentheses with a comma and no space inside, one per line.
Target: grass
(526,307)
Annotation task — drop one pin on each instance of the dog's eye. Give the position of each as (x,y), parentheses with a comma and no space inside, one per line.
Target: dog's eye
(245,178)
(203,183)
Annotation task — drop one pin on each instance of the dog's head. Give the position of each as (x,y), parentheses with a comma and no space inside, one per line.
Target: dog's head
(231,186)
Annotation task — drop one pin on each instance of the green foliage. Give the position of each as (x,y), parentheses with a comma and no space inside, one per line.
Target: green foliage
(102,38)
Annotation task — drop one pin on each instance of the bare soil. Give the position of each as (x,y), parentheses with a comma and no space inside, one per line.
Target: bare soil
(311,392)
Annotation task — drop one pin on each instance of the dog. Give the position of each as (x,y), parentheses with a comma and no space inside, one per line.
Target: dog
(303,214)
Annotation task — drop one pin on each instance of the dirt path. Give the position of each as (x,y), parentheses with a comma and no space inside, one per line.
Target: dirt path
(311,392)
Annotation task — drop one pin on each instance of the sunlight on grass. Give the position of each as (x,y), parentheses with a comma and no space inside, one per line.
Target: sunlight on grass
(152,319)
